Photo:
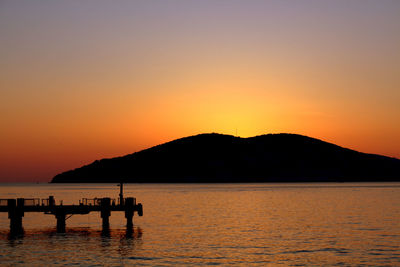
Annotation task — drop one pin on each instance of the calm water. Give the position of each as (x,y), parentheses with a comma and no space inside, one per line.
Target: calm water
(208,224)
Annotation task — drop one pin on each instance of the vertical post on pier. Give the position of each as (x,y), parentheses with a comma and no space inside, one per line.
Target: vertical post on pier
(121,193)
(105,212)
(60,216)
(20,211)
(52,201)
(15,214)
(129,208)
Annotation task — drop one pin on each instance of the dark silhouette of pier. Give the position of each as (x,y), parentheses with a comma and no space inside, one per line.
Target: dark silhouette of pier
(16,209)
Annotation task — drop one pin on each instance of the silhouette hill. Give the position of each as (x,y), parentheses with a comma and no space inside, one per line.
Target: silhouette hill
(223,158)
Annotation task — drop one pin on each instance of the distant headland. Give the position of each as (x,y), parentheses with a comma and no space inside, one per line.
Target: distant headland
(218,158)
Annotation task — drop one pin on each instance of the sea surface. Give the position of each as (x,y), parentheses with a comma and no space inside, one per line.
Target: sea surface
(351,224)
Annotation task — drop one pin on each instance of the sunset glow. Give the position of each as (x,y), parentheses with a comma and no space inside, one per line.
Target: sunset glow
(81,81)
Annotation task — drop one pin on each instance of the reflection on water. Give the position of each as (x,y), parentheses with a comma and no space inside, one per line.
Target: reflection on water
(243,224)
(128,233)
(74,246)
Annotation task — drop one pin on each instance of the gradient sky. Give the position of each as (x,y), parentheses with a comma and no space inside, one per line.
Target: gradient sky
(84,80)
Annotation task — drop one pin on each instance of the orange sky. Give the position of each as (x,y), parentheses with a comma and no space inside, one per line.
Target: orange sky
(82,82)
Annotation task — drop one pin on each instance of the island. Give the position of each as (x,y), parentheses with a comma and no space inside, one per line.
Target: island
(218,158)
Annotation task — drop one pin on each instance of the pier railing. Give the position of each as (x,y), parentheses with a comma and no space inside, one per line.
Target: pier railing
(45,202)
(26,201)
(51,201)
(31,201)
(97,201)
(90,202)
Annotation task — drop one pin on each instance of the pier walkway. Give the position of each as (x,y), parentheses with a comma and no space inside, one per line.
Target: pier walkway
(16,209)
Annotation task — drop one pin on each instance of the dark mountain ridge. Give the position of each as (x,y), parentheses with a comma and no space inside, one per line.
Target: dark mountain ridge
(225,158)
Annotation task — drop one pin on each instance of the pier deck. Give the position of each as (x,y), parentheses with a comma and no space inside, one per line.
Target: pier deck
(16,209)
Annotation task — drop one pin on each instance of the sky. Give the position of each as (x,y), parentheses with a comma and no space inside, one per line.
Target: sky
(85,80)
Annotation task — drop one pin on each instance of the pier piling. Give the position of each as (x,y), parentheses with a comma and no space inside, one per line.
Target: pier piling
(60,216)
(105,212)
(15,214)
(129,203)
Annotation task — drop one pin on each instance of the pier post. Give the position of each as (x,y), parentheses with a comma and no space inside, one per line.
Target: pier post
(121,193)
(105,212)
(129,204)
(52,201)
(15,214)
(60,216)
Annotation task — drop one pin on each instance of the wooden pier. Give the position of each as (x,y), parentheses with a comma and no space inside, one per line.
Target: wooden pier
(16,209)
